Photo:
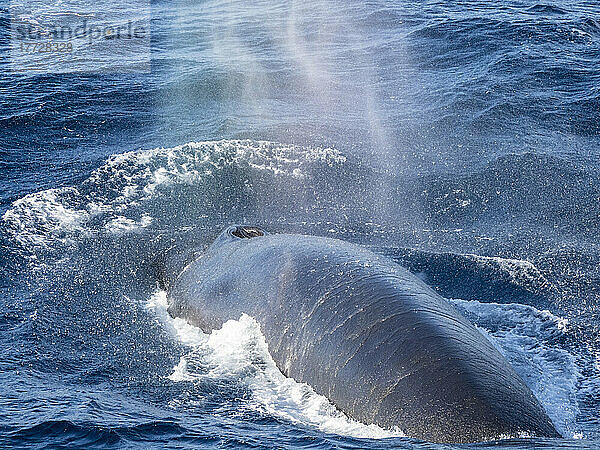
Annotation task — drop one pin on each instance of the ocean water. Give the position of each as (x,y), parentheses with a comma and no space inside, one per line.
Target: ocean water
(461,139)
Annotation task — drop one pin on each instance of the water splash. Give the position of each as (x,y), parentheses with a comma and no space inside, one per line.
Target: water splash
(238,352)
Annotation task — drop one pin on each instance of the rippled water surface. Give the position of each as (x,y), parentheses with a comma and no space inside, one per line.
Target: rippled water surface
(461,139)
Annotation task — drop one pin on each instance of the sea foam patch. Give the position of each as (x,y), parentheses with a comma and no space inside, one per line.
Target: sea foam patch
(529,339)
(238,352)
(134,190)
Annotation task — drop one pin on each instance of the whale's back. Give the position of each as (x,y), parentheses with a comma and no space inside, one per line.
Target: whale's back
(367,334)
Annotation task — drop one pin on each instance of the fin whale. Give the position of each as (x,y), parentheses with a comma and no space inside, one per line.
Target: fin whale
(361,330)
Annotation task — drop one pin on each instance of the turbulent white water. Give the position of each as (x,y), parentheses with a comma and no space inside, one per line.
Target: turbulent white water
(525,336)
(118,196)
(521,273)
(238,352)
(174,188)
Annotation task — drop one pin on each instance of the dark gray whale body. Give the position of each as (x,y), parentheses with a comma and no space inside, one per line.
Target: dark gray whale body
(362,331)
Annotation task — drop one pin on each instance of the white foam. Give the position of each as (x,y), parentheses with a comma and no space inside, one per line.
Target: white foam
(123,224)
(238,351)
(521,272)
(113,198)
(525,336)
(33,217)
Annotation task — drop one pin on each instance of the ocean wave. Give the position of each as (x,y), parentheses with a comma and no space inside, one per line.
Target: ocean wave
(521,273)
(475,277)
(517,188)
(116,196)
(238,352)
(62,432)
(544,8)
(531,340)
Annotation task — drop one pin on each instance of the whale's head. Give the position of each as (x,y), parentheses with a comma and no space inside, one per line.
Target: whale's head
(173,261)
(234,233)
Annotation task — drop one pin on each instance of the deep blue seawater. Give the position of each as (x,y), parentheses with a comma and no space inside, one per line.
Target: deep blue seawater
(461,138)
